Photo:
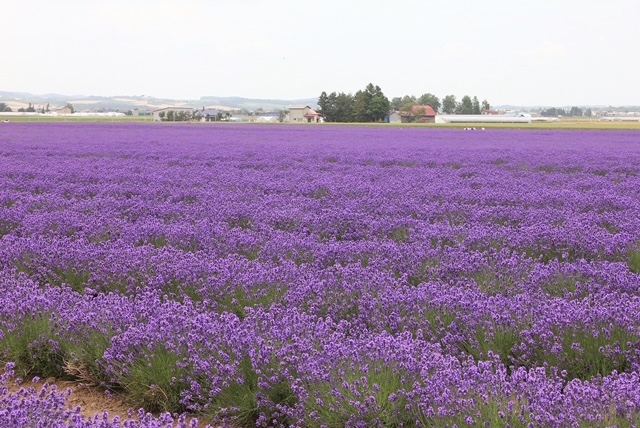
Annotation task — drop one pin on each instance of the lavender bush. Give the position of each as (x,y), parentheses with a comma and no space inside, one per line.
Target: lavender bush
(321,276)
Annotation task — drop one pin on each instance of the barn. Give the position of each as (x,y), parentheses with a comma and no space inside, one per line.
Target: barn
(418,114)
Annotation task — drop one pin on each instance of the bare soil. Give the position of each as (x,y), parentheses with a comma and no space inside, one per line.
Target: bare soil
(92,400)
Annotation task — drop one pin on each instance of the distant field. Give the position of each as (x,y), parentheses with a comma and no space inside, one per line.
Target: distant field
(80,119)
(579,124)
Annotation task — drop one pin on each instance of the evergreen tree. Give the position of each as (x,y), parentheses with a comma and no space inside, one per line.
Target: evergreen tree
(379,104)
(323,102)
(361,104)
(449,104)
(368,105)
(465,106)
(344,107)
(575,112)
(331,112)
(476,105)
(396,103)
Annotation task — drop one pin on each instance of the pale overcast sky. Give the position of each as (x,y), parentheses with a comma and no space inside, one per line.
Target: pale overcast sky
(545,52)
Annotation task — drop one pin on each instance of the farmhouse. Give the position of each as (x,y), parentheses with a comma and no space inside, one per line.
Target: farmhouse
(64,110)
(207,115)
(418,114)
(304,114)
(157,114)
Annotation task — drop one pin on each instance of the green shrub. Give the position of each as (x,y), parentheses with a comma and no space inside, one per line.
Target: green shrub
(484,413)
(500,340)
(34,347)
(240,403)
(634,261)
(237,300)
(84,357)
(589,353)
(562,284)
(400,235)
(351,388)
(154,382)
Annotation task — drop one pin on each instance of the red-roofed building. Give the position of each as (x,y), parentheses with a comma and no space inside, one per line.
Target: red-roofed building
(304,114)
(312,116)
(418,114)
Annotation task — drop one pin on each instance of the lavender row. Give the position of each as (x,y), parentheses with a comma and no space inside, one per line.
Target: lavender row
(333,276)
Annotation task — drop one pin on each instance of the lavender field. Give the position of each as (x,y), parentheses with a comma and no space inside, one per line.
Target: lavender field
(323,276)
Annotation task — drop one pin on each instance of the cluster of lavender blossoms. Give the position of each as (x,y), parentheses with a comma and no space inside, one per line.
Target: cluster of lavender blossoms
(322,276)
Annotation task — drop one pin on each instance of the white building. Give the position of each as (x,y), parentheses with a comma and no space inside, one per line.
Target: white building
(483,118)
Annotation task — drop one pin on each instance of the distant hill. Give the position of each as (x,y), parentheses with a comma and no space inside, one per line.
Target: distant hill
(255,103)
(143,102)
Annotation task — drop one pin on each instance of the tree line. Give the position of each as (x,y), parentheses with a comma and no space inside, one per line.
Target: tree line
(31,108)
(186,116)
(572,112)
(368,105)
(371,105)
(448,105)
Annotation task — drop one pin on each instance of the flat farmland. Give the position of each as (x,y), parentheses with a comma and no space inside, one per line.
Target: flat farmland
(323,275)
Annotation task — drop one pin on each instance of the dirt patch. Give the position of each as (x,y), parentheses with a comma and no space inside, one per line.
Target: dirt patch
(93,401)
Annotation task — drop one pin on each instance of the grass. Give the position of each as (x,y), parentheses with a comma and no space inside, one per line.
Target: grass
(400,235)
(365,393)
(321,193)
(244,223)
(7,227)
(84,356)
(237,300)
(35,348)
(178,290)
(562,124)
(438,321)
(242,403)
(634,261)
(561,285)
(154,382)
(493,283)
(547,254)
(79,119)
(589,353)
(486,413)
(500,340)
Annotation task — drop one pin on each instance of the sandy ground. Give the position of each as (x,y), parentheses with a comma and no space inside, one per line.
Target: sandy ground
(92,400)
